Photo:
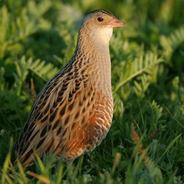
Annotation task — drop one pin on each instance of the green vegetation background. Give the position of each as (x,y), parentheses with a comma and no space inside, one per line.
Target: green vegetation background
(146,141)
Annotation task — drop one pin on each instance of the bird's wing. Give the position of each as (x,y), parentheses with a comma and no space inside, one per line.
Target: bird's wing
(41,131)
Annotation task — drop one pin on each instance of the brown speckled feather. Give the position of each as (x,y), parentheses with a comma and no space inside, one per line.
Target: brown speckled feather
(73,113)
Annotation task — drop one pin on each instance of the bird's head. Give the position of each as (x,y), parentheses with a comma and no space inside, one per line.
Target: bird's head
(99,25)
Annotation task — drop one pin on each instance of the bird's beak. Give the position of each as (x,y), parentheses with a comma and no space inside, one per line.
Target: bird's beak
(115,22)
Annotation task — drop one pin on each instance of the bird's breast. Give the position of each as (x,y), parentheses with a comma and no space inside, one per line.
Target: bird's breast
(102,74)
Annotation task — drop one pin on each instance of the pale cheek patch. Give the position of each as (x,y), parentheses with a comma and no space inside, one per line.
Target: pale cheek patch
(102,34)
(107,33)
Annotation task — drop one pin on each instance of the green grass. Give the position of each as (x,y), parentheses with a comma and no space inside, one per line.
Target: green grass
(145,144)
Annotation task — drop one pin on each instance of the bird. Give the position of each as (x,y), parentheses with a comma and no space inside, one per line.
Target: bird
(73,112)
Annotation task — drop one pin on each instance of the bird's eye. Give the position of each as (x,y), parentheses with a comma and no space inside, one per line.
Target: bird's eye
(100,19)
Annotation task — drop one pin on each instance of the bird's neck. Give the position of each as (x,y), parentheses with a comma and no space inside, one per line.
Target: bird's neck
(97,56)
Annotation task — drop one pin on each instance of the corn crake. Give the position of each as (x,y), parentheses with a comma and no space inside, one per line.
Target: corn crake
(73,112)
